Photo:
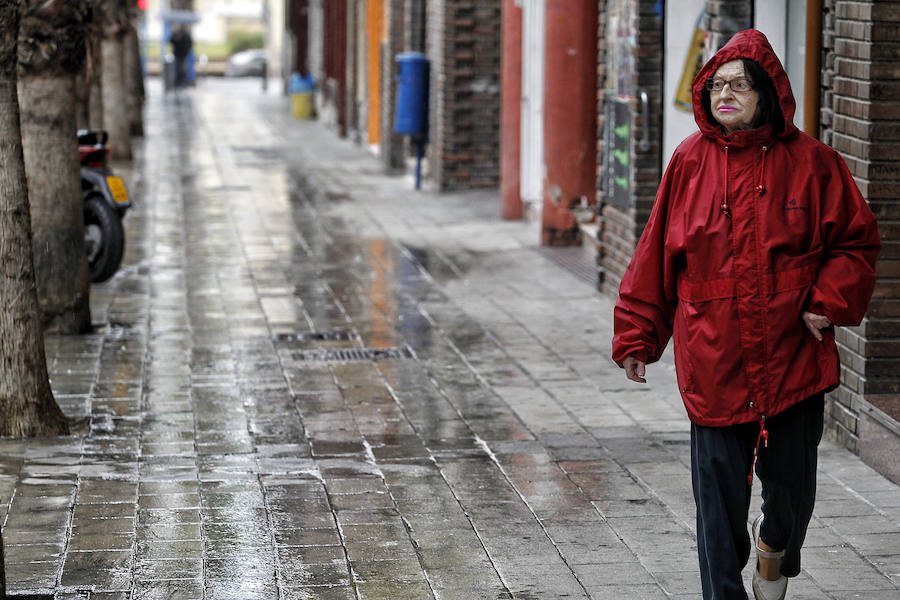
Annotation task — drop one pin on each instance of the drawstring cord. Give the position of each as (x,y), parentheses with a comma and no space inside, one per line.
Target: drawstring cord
(760,187)
(762,437)
(726,210)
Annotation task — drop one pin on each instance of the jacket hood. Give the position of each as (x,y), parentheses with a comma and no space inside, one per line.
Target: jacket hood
(751,44)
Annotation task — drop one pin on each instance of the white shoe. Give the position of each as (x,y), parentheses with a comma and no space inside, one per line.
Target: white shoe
(763,589)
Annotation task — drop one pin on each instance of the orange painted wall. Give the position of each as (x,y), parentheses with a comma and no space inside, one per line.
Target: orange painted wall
(374,35)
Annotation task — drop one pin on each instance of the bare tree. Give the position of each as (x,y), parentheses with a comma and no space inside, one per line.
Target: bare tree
(50,54)
(134,75)
(88,92)
(114,21)
(27,406)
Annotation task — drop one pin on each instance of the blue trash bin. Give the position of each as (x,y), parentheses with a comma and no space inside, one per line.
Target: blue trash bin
(412,95)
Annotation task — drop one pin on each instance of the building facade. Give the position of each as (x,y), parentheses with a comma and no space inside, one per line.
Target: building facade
(350,48)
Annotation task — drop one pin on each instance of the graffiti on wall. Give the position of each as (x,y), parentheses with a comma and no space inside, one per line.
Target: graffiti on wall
(620,94)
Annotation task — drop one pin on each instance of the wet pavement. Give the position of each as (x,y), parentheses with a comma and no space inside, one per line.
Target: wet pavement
(311,381)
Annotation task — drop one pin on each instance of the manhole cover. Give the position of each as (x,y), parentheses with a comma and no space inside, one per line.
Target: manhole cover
(350,354)
(317,336)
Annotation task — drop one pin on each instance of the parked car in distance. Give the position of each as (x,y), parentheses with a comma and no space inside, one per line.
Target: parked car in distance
(247,63)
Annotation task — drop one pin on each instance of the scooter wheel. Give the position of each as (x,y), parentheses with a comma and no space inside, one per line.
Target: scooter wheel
(104,238)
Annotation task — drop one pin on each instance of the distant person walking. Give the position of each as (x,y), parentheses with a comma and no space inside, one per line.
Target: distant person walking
(182,44)
(758,244)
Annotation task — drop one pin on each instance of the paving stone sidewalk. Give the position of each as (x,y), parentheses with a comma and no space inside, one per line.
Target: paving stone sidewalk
(311,381)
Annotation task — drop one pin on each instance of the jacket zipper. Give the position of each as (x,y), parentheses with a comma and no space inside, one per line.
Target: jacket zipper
(726,210)
(763,437)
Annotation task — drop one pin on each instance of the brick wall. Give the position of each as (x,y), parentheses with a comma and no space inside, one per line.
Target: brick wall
(826,94)
(648,170)
(862,122)
(620,229)
(601,93)
(601,105)
(464,49)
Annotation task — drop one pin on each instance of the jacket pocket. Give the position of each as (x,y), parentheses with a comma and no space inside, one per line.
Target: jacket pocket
(684,365)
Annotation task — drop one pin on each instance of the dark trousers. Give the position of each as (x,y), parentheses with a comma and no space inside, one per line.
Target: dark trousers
(721,459)
(181,73)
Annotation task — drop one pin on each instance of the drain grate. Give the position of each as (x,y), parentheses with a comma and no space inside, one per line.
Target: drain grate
(350,354)
(317,336)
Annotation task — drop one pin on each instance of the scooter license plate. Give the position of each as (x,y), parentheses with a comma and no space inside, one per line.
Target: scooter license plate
(117,189)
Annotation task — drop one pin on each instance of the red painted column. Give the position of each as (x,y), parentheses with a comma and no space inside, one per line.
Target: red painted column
(335,58)
(570,116)
(511,111)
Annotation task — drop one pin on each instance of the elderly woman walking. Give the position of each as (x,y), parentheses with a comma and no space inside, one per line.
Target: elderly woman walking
(758,244)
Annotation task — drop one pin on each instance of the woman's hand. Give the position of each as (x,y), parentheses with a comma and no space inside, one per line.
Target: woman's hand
(634,369)
(814,323)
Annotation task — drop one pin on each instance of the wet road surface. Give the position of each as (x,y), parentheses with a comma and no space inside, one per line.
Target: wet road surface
(310,381)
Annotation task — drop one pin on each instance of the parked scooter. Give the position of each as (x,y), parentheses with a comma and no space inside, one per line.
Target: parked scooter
(105,203)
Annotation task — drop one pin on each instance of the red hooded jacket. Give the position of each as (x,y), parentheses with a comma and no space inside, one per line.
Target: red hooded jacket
(731,284)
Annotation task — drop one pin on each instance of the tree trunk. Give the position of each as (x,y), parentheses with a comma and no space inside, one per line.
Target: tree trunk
(95,100)
(82,97)
(87,86)
(115,107)
(54,188)
(27,406)
(51,51)
(134,76)
(114,17)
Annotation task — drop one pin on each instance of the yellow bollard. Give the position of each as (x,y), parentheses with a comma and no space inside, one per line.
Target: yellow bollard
(302,105)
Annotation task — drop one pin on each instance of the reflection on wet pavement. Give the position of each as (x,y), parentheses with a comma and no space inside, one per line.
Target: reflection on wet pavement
(225,448)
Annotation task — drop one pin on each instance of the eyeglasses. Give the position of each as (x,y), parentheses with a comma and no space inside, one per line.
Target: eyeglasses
(738,85)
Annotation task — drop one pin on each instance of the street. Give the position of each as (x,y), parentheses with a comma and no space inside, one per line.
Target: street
(310,381)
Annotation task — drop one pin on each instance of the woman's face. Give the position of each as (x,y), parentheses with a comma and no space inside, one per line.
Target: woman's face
(733,110)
